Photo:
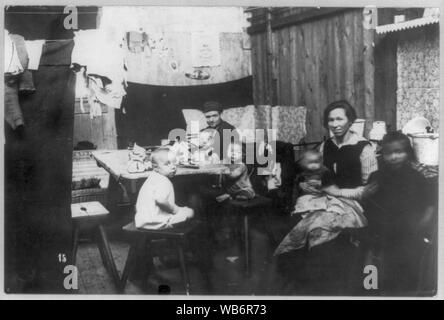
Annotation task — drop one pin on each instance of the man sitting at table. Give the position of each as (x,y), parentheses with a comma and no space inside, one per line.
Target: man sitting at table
(212,111)
(156,205)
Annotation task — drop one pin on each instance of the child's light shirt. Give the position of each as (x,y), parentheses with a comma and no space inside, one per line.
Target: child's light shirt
(157,188)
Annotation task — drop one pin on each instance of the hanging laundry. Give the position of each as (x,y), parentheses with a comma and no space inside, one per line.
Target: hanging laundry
(104,58)
(26,83)
(95,106)
(82,87)
(109,94)
(13,112)
(12,61)
(22,53)
(34,49)
(16,77)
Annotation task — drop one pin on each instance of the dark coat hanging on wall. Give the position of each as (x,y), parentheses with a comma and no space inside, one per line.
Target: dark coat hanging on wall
(38,160)
(38,165)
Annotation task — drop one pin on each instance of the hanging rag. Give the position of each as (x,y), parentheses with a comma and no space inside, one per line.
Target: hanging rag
(82,87)
(12,61)
(16,61)
(106,60)
(34,49)
(13,112)
(94,84)
(109,94)
(26,83)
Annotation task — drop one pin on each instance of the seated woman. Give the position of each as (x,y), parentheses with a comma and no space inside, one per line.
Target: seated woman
(323,216)
(351,159)
(400,215)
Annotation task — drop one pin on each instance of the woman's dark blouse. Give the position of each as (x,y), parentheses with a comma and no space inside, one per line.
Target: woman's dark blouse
(348,173)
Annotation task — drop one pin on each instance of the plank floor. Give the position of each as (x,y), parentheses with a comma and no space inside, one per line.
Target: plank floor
(226,276)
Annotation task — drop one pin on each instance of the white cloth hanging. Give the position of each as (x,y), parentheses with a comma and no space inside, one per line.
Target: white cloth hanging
(34,49)
(12,61)
(103,56)
(82,90)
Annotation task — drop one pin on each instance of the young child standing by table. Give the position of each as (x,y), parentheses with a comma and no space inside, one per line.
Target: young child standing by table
(156,207)
(399,214)
(205,154)
(237,182)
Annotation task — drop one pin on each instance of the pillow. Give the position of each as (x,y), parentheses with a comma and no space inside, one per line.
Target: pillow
(194,115)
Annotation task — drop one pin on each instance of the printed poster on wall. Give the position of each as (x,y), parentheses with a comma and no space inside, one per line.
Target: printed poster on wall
(205,49)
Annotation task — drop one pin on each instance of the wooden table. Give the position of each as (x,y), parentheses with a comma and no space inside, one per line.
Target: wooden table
(116,163)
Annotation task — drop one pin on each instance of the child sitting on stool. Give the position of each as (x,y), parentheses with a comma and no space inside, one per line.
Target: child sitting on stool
(156,207)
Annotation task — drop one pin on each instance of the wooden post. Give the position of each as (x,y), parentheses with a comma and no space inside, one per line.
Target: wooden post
(270,61)
(369,68)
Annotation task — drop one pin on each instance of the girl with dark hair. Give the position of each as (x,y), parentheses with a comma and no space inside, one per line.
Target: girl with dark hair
(398,214)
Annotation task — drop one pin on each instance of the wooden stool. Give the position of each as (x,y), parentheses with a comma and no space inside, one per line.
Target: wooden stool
(87,214)
(259,206)
(178,234)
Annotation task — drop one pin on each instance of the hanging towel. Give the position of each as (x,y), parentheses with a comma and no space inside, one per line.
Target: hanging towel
(110,94)
(26,82)
(22,53)
(103,56)
(34,49)
(12,61)
(82,87)
(13,113)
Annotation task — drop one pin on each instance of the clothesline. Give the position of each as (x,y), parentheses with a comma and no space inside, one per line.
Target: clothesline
(48,12)
(55,40)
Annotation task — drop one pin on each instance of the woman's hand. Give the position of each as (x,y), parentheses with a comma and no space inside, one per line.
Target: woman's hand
(426,223)
(308,188)
(332,190)
(369,189)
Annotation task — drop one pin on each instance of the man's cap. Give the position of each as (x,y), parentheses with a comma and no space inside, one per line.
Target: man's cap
(212,106)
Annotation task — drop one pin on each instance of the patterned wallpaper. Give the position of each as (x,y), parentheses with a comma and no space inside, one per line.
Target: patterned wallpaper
(418,79)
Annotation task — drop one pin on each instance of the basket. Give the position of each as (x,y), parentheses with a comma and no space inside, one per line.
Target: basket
(426,146)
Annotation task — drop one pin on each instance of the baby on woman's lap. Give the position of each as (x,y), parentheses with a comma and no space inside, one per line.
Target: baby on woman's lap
(323,215)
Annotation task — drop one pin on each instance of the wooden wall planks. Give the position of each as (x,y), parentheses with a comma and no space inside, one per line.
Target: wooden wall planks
(101,131)
(317,62)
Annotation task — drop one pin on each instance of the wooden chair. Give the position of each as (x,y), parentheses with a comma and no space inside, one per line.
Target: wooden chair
(87,215)
(143,237)
(259,205)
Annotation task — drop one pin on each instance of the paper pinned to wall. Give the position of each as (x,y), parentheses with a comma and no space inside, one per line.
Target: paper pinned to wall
(205,49)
